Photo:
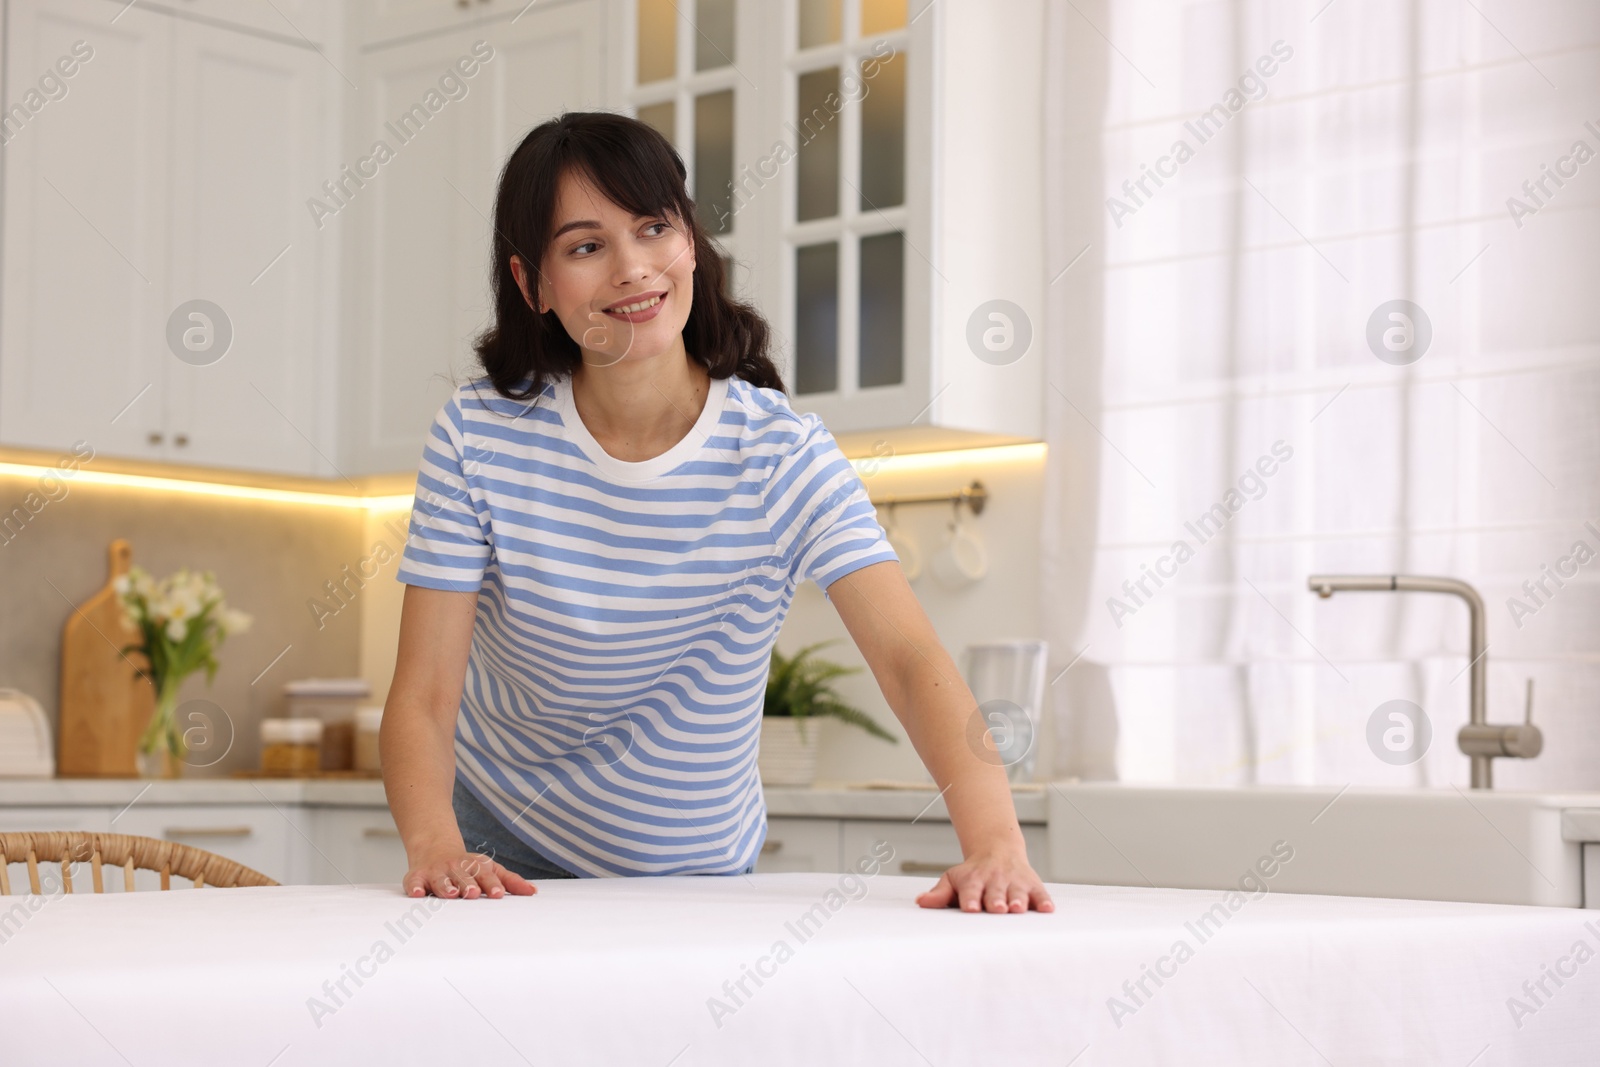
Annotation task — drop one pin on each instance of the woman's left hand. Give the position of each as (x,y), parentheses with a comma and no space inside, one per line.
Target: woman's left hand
(997,882)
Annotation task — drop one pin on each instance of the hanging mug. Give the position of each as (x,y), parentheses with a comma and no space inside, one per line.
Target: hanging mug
(905,546)
(963,559)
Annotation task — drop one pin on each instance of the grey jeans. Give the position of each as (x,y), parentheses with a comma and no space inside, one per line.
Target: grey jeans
(482,831)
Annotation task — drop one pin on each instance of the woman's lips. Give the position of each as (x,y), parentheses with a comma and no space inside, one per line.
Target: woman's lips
(644,315)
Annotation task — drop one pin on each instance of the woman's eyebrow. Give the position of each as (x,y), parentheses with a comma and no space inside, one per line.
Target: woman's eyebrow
(590,224)
(577,224)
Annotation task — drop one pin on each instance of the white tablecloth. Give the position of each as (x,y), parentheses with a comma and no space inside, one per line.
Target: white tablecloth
(647,971)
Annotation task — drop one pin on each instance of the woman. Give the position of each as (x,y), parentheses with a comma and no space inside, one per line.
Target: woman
(609,529)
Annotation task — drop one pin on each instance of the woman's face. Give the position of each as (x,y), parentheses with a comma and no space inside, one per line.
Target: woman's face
(621,285)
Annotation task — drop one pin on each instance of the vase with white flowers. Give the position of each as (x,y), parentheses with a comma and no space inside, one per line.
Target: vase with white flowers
(181,620)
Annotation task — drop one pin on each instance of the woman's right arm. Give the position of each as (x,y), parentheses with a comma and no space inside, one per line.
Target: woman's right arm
(417,749)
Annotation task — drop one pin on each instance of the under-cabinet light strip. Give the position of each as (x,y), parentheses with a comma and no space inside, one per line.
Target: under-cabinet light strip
(917,461)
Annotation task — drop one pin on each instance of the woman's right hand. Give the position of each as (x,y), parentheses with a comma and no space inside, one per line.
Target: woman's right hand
(455,872)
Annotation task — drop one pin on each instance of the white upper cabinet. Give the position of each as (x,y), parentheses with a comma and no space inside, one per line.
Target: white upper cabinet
(245,159)
(84,263)
(417,285)
(880,191)
(296,21)
(322,176)
(173,170)
(394,21)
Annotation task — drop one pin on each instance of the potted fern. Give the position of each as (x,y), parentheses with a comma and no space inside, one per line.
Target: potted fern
(797,689)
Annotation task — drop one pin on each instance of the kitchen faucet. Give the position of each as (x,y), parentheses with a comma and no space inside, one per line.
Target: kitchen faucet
(1478,739)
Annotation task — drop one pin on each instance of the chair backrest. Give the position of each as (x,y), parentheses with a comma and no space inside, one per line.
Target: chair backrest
(127,851)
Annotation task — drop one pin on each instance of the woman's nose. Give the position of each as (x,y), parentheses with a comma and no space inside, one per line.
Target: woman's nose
(633,265)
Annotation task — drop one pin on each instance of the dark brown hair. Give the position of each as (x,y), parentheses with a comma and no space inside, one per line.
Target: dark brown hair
(637,169)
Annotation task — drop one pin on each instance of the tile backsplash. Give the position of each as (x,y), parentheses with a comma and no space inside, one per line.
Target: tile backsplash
(271,560)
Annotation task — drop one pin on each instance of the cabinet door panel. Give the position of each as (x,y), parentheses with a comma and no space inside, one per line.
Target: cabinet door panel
(926,849)
(356,845)
(83,296)
(287,20)
(251,834)
(800,845)
(417,268)
(386,20)
(420,263)
(247,160)
(30,819)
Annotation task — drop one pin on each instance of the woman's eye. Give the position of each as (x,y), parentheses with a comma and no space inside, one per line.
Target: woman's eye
(590,245)
(657,226)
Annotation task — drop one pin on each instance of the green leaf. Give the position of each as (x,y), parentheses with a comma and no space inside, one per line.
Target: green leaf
(799,687)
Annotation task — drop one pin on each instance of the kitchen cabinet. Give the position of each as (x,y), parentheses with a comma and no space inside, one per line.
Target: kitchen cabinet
(289,20)
(356,845)
(925,848)
(174,168)
(384,21)
(880,195)
(25,820)
(207,151)
(800,845)
(83,266)
(255,835)
(418,235)
(331,833)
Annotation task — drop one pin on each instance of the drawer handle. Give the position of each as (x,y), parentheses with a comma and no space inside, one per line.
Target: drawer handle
(379,831)
(919,867)
(208,831)
(769,846)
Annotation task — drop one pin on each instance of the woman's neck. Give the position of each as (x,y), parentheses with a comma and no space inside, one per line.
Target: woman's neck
(641,406)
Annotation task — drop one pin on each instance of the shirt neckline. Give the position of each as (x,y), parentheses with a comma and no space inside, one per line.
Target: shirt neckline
(642,470)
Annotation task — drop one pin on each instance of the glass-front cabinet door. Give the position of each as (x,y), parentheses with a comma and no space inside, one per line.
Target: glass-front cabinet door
(800,126)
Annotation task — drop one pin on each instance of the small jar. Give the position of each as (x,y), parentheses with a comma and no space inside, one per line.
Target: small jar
(368,721)
(332,700)
(291,746)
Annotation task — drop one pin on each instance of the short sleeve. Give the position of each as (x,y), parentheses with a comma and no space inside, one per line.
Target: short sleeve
(823,522)
(447,546)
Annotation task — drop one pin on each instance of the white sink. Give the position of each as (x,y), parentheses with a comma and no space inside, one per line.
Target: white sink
(1423,844)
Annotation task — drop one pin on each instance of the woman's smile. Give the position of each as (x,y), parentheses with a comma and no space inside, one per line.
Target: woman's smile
(638,308)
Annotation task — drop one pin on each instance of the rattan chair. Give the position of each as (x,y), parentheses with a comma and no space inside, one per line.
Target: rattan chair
(127,851)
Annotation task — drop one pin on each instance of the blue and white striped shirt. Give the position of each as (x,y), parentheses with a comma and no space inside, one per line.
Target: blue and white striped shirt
(627,611)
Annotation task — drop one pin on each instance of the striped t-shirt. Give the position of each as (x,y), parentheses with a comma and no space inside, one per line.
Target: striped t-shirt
(626,613)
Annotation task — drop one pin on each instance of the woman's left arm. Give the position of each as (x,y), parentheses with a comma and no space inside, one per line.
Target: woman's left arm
(924,688)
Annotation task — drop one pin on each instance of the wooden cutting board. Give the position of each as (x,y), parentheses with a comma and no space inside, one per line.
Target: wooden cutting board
(104,704)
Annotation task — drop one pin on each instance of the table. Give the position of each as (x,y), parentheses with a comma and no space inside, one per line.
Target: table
(791,969)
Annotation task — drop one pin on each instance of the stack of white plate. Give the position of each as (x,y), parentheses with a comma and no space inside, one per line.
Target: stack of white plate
(25,749)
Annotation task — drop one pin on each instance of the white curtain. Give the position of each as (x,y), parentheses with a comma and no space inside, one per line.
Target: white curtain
(1236,192)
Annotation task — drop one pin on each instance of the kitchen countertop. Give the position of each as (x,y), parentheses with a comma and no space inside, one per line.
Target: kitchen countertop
(826,800)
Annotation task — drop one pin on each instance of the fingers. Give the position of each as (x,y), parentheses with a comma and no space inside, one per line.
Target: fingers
(940,896)
(515,884)
(444,880)
(997,891)
(468,877)
(971,893)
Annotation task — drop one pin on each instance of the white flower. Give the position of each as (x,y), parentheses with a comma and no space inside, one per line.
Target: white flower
(120,584)
(177,630)
(185,604)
